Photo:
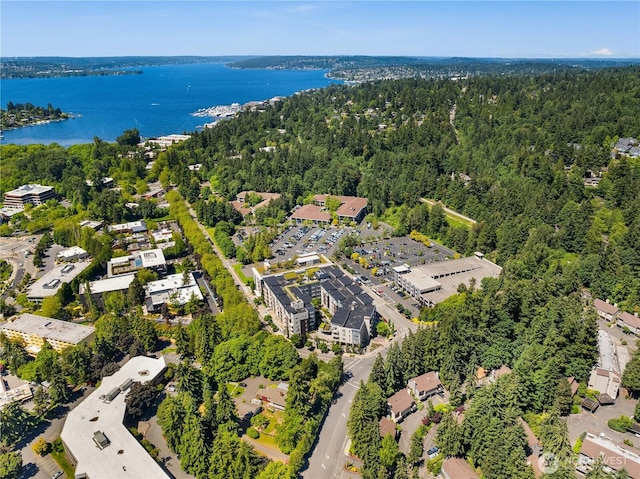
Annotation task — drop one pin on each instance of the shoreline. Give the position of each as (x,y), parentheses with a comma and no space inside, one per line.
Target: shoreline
(39,123)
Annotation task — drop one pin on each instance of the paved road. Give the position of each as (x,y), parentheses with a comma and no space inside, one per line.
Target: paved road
(44,467)
(328,457)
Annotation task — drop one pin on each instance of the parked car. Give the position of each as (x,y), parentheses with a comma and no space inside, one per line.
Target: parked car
(433,452)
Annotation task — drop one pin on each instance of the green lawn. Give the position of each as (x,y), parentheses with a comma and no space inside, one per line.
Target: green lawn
(64,463)
(234,389)
(238,269)
(452,218)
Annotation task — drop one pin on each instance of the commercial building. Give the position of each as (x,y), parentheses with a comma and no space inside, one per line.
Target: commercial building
(101,287)
(242,207)
(28,194)
(33,331)
(128,228)
(352,208)
(433,283)
(51,281)
(72,254)
(94,436)
(171,290)
(152,259)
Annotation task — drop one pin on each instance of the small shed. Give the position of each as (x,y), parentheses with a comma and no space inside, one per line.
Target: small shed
(590,404)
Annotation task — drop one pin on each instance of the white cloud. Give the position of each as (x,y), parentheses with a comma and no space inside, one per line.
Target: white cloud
(603,51)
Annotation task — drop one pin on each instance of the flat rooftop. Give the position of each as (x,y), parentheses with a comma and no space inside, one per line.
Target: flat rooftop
(123,457)
(117,283)
(171,282)
(34,189)
(450,274)
(49,328)
(50,282)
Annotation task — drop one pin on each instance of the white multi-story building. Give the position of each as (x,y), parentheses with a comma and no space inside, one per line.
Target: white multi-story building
(32,194)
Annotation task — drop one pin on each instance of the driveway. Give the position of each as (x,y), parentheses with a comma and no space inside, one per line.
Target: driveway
(597,422)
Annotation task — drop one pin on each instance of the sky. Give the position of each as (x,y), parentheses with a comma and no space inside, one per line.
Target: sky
(507,29)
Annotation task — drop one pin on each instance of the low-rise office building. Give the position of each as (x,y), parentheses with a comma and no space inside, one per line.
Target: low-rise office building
(171,290)
(98,289)
(129,228)
(152,259)
(94,436)
(33,331)
(51,281)
(28,194)
(72,254)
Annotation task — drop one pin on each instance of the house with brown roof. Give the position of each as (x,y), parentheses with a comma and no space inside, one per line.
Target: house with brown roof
(275,398)
(425,385)
(501,371)
(605,310)
(387,426)
(573,384)
(629,321)
(457,468)
(401,404)
(533,449)
(614,456)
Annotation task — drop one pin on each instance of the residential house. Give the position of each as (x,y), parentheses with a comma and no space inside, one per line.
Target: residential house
(629,321)
(457,468)
(401,404)
(573,384)
(387,426)
(501,371)
(605,310)
(614,456)
(275,398)
(533,449)
(607,382)
(425,385)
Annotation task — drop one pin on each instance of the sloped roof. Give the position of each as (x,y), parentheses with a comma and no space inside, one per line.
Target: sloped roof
(604,306)
(400,401)
(457,468)
(427,381)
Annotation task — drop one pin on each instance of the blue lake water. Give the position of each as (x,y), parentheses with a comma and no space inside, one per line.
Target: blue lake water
(157,102)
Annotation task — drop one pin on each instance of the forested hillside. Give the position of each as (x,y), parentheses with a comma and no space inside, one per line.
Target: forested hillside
(509,151)
(525,142)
